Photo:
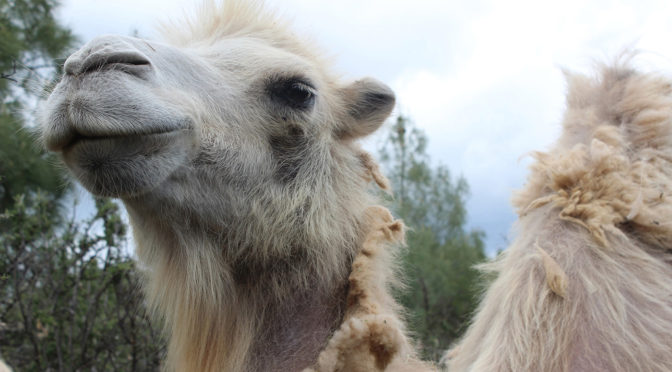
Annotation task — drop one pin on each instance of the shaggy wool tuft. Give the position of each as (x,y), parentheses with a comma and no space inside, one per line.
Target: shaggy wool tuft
(586,284)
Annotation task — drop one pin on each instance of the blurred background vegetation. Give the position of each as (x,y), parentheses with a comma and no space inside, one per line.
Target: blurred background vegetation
(69,297)
(443,287)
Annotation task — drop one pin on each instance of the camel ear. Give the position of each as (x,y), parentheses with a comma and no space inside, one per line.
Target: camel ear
(369,102)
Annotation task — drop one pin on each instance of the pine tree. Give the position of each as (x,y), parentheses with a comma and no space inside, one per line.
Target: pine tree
(32,45)
(442,283)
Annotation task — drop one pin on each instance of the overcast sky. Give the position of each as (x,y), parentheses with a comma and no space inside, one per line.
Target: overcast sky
(481,77)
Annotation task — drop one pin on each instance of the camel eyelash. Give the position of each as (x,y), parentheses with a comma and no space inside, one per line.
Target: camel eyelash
(294,92)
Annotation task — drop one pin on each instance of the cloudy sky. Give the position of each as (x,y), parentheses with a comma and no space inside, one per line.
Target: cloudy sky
(481,77)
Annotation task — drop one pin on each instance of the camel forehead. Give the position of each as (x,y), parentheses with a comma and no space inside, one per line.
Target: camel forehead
(245,37)
(238,55)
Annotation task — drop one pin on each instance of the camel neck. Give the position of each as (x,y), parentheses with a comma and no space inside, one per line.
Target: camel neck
(298,328)
(290,310)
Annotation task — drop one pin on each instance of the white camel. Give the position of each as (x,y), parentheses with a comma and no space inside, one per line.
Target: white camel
(233,148)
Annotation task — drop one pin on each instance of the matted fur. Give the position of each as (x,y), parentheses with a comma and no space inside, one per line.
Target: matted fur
(371,337)
(248,211)
(586,284)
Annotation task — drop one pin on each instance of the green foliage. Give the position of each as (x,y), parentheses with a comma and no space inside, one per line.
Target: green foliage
(443,286)
(24,168)
(30,39)
(69,297)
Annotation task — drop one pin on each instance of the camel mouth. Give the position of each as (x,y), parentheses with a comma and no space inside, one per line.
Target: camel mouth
(78,115)
(120,145)
(79,138)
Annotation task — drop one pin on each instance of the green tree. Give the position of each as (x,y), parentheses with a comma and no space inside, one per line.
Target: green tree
(69,298)
(442,283)
(30,40)
(24,168)
(32,46)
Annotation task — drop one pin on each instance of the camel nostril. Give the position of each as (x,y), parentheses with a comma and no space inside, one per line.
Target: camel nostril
(73,64)
(120,60)
(127,61)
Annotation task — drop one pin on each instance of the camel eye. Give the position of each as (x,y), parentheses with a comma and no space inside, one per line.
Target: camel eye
(294,93)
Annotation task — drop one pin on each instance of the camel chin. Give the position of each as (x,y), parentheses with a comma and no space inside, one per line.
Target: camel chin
(126,166)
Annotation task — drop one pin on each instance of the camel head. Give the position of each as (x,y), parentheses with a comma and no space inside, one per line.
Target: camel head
(129,113)
(232,122)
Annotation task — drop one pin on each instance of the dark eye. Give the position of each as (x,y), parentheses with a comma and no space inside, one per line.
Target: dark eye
(293,93)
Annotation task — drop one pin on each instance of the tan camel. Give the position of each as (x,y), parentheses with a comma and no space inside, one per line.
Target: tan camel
(587,284)
(233,148)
